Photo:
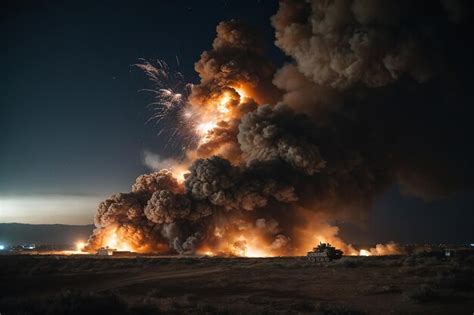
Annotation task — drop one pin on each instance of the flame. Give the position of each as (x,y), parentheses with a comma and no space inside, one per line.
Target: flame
(204,128)
(114,242)
(222,104)
(250,244)
(218,108)
(80,246)
(240,90)
(246,243)
(215,110)
(256,252)
(179,174)
(79,250)
(179,171)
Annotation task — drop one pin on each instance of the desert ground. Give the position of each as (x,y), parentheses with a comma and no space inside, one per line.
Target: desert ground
(47,284)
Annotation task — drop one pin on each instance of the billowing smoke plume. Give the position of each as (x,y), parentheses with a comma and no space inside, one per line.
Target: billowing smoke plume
(383,76)
(277,133)
(237,60)
(280,154)
(341,43)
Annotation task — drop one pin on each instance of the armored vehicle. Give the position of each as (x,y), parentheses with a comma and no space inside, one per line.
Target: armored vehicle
(324,252)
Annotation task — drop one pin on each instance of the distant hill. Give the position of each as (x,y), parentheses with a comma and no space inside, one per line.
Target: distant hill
(54,234)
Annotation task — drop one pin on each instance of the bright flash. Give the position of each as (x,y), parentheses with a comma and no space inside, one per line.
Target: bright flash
(254,252)
(222,105)
(179,173)
(205,127)
(364,252)
(115,243)
(80,246)
(241,92)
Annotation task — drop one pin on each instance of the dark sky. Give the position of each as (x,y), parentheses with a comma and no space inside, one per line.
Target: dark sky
(73,121)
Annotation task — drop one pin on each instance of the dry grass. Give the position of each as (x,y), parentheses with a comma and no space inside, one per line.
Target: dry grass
(352,285)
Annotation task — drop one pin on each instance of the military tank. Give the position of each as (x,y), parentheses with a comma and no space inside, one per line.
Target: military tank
(324,252)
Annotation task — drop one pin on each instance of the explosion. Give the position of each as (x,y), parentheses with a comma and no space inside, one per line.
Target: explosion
(116,242)
(80,246)
(272,157)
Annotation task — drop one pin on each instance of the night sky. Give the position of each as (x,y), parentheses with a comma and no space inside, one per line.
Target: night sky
(73,122)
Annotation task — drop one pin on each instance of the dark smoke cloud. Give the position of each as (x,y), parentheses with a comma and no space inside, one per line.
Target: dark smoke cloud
(362,107)
(458,10)
(183,218)
(217,181)
(237,56)
(222,139)
(150,183)
(272,133)
(123,214)
(341,43)
(167,207)
(303,95)
(118,208)
(381,77)
(222,142)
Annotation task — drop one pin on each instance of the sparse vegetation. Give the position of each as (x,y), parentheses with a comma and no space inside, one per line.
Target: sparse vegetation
(233,285)
(75,302)
(380,289)
(455,279)
(422,294)
(335,309)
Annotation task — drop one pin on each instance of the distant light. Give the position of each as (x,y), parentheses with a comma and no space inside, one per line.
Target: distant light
(472,244)
(2,247)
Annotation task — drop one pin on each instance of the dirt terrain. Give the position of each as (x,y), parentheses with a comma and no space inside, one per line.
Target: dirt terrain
(147,285)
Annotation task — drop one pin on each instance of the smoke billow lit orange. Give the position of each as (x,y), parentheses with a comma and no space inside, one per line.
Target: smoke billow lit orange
(270,157)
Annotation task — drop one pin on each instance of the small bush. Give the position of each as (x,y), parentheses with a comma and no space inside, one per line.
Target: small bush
(349,262)
(147,306)
(422,294)
(191,261)
(455,279)
(206,308)
(73,302)
(303,306)
(385,289)
(335,309)
(468,261)
(154,293)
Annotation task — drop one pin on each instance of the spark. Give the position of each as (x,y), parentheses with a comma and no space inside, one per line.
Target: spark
(170,97)
(185,126)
